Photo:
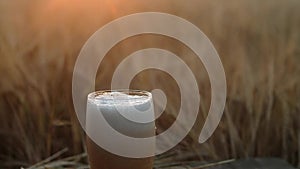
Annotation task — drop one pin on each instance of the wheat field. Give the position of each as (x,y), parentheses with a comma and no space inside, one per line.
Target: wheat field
(258,42)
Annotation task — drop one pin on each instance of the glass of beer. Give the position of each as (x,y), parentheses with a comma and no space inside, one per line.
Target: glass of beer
(114,105)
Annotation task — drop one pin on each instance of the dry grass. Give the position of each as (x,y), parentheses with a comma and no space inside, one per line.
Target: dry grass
(258,42)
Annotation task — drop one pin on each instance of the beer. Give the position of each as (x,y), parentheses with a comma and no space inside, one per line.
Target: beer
(113,105)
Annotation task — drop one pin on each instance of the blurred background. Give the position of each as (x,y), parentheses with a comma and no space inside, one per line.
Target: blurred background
(258,42)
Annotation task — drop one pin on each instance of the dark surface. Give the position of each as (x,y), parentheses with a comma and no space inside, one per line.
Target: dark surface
(258,163)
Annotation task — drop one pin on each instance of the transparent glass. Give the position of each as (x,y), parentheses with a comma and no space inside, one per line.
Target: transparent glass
(104,100)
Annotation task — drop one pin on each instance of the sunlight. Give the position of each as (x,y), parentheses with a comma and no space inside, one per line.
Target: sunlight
(112,6)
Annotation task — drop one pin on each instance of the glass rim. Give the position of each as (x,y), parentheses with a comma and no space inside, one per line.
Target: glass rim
(144,95)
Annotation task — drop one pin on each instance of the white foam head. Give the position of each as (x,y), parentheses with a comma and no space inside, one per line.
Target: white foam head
(122,108)
(134,105)
(118,98)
